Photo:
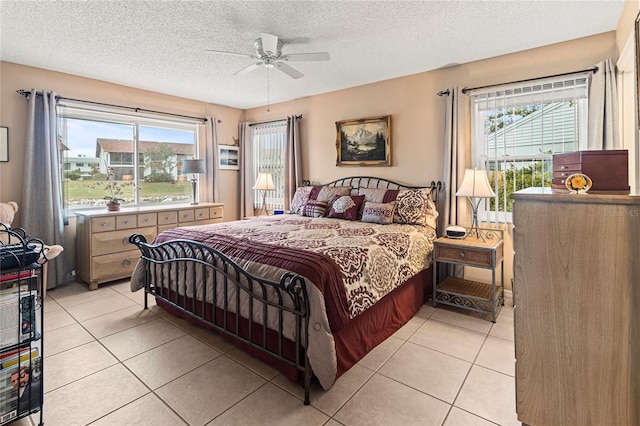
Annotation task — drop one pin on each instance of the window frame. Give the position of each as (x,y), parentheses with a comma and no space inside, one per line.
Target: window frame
(479,157)
(81,111)
(274,199)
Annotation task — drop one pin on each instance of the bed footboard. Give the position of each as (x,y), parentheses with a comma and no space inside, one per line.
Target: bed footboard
(205,284)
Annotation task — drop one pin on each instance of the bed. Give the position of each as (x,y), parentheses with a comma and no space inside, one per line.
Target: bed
(310,292)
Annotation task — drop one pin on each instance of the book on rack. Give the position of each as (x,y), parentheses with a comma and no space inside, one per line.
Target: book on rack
(20,389)
(16,275)
(18,320)
(20,283)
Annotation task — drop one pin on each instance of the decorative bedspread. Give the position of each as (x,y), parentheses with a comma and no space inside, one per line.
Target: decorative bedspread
(371,259)
(348,266)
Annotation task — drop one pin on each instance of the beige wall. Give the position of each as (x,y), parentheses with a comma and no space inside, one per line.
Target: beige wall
(626,22)
(13,112)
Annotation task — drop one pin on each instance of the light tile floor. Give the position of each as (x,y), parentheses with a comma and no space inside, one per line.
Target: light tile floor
(110,362)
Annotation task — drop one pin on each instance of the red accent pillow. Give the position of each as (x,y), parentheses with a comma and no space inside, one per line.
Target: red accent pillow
(346,206)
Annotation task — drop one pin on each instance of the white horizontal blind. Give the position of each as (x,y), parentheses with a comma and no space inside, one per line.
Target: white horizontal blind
(269,152)
(517,129)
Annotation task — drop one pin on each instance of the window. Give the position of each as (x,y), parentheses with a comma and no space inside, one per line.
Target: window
(515,132)
(269,153)
(145,153)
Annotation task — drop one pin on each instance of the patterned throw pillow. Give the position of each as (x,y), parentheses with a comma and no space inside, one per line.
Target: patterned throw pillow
(299,198)
(414,207)
(328,193)
(314,208)
(346,206)
(378,195)
(381,213)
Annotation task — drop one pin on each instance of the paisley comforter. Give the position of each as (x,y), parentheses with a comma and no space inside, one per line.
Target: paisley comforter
(351,264)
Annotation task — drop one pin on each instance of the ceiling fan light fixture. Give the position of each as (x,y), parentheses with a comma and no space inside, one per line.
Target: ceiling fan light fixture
(269,53)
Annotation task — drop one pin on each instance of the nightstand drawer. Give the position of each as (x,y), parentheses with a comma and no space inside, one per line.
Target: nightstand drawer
(470,256)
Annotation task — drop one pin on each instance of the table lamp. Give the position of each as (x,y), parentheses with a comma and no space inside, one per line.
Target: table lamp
(264,183)
(475,186)
(194,167)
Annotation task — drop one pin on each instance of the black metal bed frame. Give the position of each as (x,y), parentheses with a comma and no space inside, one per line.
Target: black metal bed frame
(183,261)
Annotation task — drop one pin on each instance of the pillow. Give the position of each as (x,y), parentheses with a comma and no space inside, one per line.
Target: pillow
(314,208)
(414,207)
(346,206)
(328,193)
(381,213)
(378,195)
(299,198)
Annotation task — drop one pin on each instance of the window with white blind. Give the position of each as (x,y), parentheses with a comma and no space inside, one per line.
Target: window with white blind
(517,129)
(269,152)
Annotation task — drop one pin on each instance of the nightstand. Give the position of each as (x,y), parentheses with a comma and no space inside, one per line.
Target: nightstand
(470,252)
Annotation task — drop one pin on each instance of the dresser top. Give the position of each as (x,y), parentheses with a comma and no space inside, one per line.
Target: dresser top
(563,196)
(145,209)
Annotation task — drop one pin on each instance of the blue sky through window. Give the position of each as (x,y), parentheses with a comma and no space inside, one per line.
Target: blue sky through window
(82,135)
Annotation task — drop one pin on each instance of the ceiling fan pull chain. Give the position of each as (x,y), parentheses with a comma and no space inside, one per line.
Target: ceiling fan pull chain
(268,100)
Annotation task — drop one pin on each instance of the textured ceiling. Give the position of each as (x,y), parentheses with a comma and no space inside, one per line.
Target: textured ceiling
(159,45)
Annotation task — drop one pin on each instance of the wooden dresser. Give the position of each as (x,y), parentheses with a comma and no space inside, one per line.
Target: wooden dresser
(577,313)
(103,250)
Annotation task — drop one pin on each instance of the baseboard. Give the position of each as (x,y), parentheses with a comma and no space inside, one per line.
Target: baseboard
(508,294)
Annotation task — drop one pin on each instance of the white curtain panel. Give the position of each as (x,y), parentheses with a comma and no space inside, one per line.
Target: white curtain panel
(245,139)
(457,133)
(42,211)
(293,161)
(210,184)
(603,130)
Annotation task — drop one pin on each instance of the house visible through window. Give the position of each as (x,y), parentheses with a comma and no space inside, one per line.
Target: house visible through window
(515,132)
(269,153)
(146,156)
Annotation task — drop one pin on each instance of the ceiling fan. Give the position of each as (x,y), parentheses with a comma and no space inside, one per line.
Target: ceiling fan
(269,54)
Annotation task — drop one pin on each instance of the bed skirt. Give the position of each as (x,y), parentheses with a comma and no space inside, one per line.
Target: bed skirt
(368,329)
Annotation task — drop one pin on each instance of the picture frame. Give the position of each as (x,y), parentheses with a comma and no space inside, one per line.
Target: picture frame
(229,157)
(4,144)
(364,141)
(637,31)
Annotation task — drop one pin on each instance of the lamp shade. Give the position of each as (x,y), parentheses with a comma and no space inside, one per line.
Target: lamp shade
(475,183)
(193,166)
(264,181)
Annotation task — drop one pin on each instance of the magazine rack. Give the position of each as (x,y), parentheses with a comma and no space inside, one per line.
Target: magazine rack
(21,310)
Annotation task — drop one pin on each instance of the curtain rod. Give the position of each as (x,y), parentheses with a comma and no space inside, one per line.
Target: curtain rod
(467,89)
(27,93)
(274,121)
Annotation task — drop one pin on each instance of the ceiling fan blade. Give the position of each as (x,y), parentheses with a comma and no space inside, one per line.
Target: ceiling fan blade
(248,69)
(269,44)
(290,71)
(244,55)
(316,56)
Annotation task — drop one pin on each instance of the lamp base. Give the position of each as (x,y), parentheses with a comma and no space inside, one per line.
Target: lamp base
(194,187)
(474,230)
(263,208)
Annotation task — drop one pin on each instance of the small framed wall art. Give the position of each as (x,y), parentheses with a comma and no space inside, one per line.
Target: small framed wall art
(364,142)
(4,144)
(228,157)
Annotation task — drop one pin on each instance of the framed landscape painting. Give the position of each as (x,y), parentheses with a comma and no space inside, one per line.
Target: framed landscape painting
(228,157)
(364,142)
